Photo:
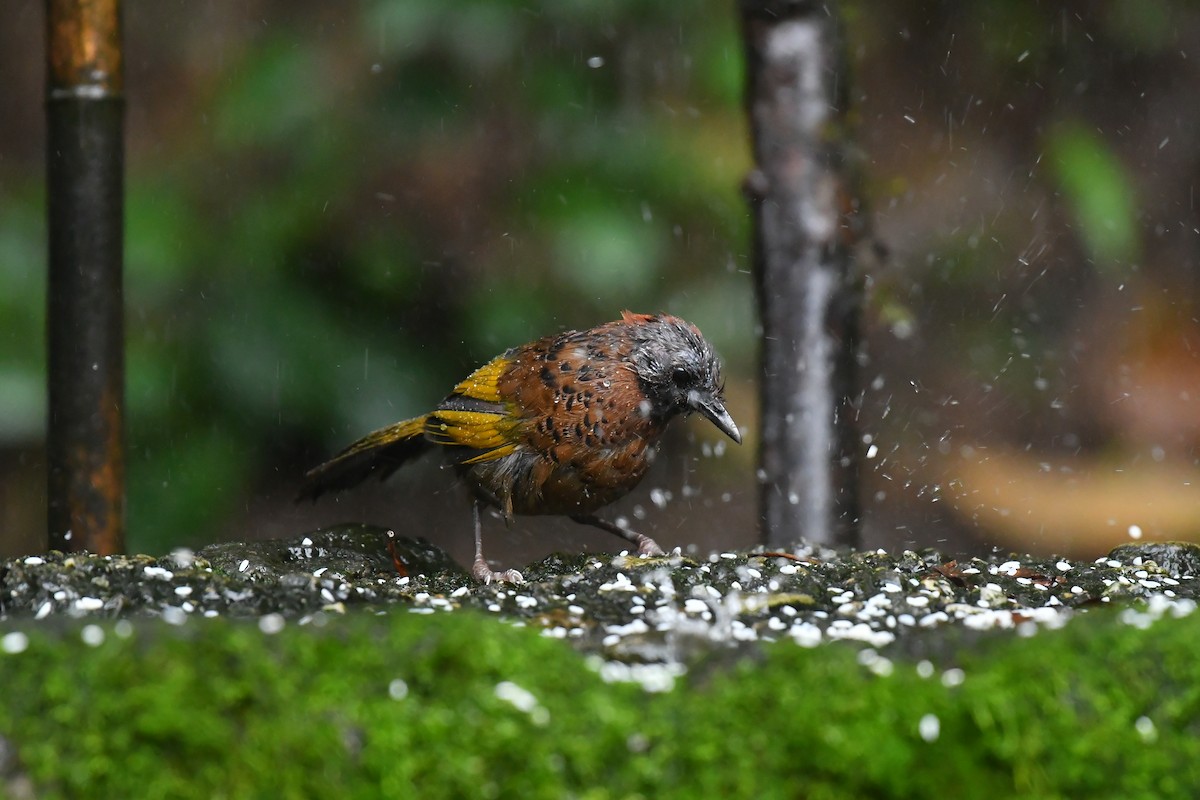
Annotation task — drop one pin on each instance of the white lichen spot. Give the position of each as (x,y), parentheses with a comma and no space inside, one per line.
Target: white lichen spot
(876,663)
(173,615)
(806,634)
(929,728)
(522,700)
(92,635)
(15,642)
(89,604)
(953,677)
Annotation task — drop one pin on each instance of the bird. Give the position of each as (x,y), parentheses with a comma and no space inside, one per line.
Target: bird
(563,425)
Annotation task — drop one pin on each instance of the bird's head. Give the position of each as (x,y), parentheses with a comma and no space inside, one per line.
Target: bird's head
(678,371)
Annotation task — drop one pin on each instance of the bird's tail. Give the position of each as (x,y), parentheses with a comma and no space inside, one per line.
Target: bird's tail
(380,453)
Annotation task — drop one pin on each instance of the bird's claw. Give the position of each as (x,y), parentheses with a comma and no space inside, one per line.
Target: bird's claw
(485,574)
(648,547)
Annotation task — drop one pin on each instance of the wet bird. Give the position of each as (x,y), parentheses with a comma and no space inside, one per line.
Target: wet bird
(563,425)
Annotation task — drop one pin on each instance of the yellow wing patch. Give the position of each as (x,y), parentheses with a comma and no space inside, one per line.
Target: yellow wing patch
(492,455)
(478,430)
(475,416)
(483,383)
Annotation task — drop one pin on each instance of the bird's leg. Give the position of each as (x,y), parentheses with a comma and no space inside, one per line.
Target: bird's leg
(480,569)
(645,545)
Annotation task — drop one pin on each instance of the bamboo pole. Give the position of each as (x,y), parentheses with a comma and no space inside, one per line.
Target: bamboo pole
(85,325)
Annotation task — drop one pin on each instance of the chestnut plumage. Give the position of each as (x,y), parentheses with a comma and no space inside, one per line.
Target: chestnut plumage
(563,425)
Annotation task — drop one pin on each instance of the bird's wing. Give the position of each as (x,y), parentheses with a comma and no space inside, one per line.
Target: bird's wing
(381,453)
(475,416)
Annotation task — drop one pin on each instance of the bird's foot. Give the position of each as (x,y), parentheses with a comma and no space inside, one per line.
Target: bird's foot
(485,574)
(647,546)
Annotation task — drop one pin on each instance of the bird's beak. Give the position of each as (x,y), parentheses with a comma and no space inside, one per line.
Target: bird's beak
(714,409)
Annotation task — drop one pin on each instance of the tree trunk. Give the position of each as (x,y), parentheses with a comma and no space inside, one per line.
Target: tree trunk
(806,220)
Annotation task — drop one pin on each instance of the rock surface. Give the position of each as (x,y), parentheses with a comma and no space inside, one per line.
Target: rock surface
(629,608)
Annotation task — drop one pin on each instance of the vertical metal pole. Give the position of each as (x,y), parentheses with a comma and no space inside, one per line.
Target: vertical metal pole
(85,324)
(806,219)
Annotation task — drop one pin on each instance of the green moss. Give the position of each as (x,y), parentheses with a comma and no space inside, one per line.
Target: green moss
(407,705)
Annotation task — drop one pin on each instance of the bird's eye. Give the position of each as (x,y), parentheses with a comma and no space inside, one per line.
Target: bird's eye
(680,376)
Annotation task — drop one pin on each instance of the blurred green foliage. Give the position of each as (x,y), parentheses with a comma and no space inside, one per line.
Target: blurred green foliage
(22,316)
(336,211)
(1099,192)
(341,214)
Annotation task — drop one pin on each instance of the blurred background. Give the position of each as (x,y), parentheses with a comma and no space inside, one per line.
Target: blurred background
(336,211)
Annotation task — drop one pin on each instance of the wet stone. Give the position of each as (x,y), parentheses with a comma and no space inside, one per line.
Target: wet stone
(1176,559)
(353,551)
(671,609)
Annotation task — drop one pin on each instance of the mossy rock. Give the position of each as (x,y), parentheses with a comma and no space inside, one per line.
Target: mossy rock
(464,705)
(309,668)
